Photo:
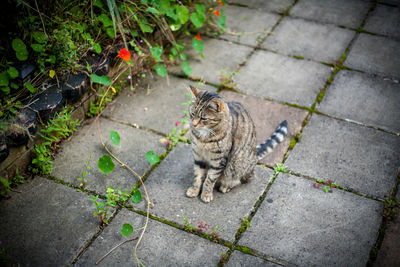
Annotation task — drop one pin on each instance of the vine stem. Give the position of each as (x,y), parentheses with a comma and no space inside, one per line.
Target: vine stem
(114,248)
(123,165)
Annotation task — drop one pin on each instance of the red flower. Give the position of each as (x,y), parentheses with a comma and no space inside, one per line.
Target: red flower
(177,123)
(221,2)
(124,54)
(198,36)
(216,12)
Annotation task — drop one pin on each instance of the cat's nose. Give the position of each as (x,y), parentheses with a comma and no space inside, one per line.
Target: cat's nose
(195,122)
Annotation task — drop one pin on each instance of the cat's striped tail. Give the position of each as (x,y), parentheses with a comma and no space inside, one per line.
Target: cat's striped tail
(264,148)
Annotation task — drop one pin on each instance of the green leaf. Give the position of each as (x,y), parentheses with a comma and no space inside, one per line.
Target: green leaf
(175,27)
(18,45)
(30,87)
(164,6)
(105,164)
(201,10)
(197,45)
(21,55)
(39,37)
(145,28)
(156,52)
(183,56)
(126,229)
(52,59)
(38,48)
(152,10)
(183,13)
(137,196)
(110,32)
(104,80)
(173,51)
(14,85)
(197,20)
(186,68)
(180,47)
(326,189)
(221,21)
(161,69)
(98,3)
(152,157)
(13,72)
(107,22)
(5,90)
(4,79)
(115,138)
(96,48)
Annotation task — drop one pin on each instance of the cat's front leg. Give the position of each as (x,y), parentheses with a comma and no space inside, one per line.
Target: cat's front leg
(208,186)
(200,172)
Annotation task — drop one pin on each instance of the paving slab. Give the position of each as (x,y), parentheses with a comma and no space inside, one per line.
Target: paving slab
(250,24)
(307,227)
(167,186)
(46,224)
(282,78)
(308,39)
(353,156)
(270,5)
(162,245)
(375,54)
(384,20)
(341,12)
(157,104)
(388,254)
(267,115)
(239,259)
(365,98)
(70,162)
(219,57)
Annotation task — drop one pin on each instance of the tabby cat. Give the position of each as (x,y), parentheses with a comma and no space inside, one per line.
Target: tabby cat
(224,144)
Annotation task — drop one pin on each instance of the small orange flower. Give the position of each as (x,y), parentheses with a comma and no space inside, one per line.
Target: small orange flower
(198,36)
(124,54)
(221,2)
(216,12)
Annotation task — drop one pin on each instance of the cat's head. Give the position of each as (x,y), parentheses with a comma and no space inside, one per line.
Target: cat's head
(208,113)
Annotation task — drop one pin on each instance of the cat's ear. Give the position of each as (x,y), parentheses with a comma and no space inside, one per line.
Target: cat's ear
(195,92)
(218,105)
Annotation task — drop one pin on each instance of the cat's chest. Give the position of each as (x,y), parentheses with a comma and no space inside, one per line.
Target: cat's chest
(208,151)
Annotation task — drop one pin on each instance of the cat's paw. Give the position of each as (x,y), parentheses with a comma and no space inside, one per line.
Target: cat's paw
(224,189)
(192,192)
(207,197)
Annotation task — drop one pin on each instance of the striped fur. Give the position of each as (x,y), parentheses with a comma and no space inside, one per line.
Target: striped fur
(264,148)
(224,144)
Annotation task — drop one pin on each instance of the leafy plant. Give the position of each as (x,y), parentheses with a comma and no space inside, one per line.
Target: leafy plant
(280,168)
(245,223)
(188,226)
(57,129)
(82,178)
(4,186)
(392,207)
(42,159)
(18,178)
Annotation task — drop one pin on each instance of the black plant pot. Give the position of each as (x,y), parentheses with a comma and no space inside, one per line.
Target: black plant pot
(74,87)
(48,102)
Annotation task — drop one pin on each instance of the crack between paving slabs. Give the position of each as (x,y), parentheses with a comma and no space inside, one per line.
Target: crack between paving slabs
(176,225)
(382,228)
(243,229)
